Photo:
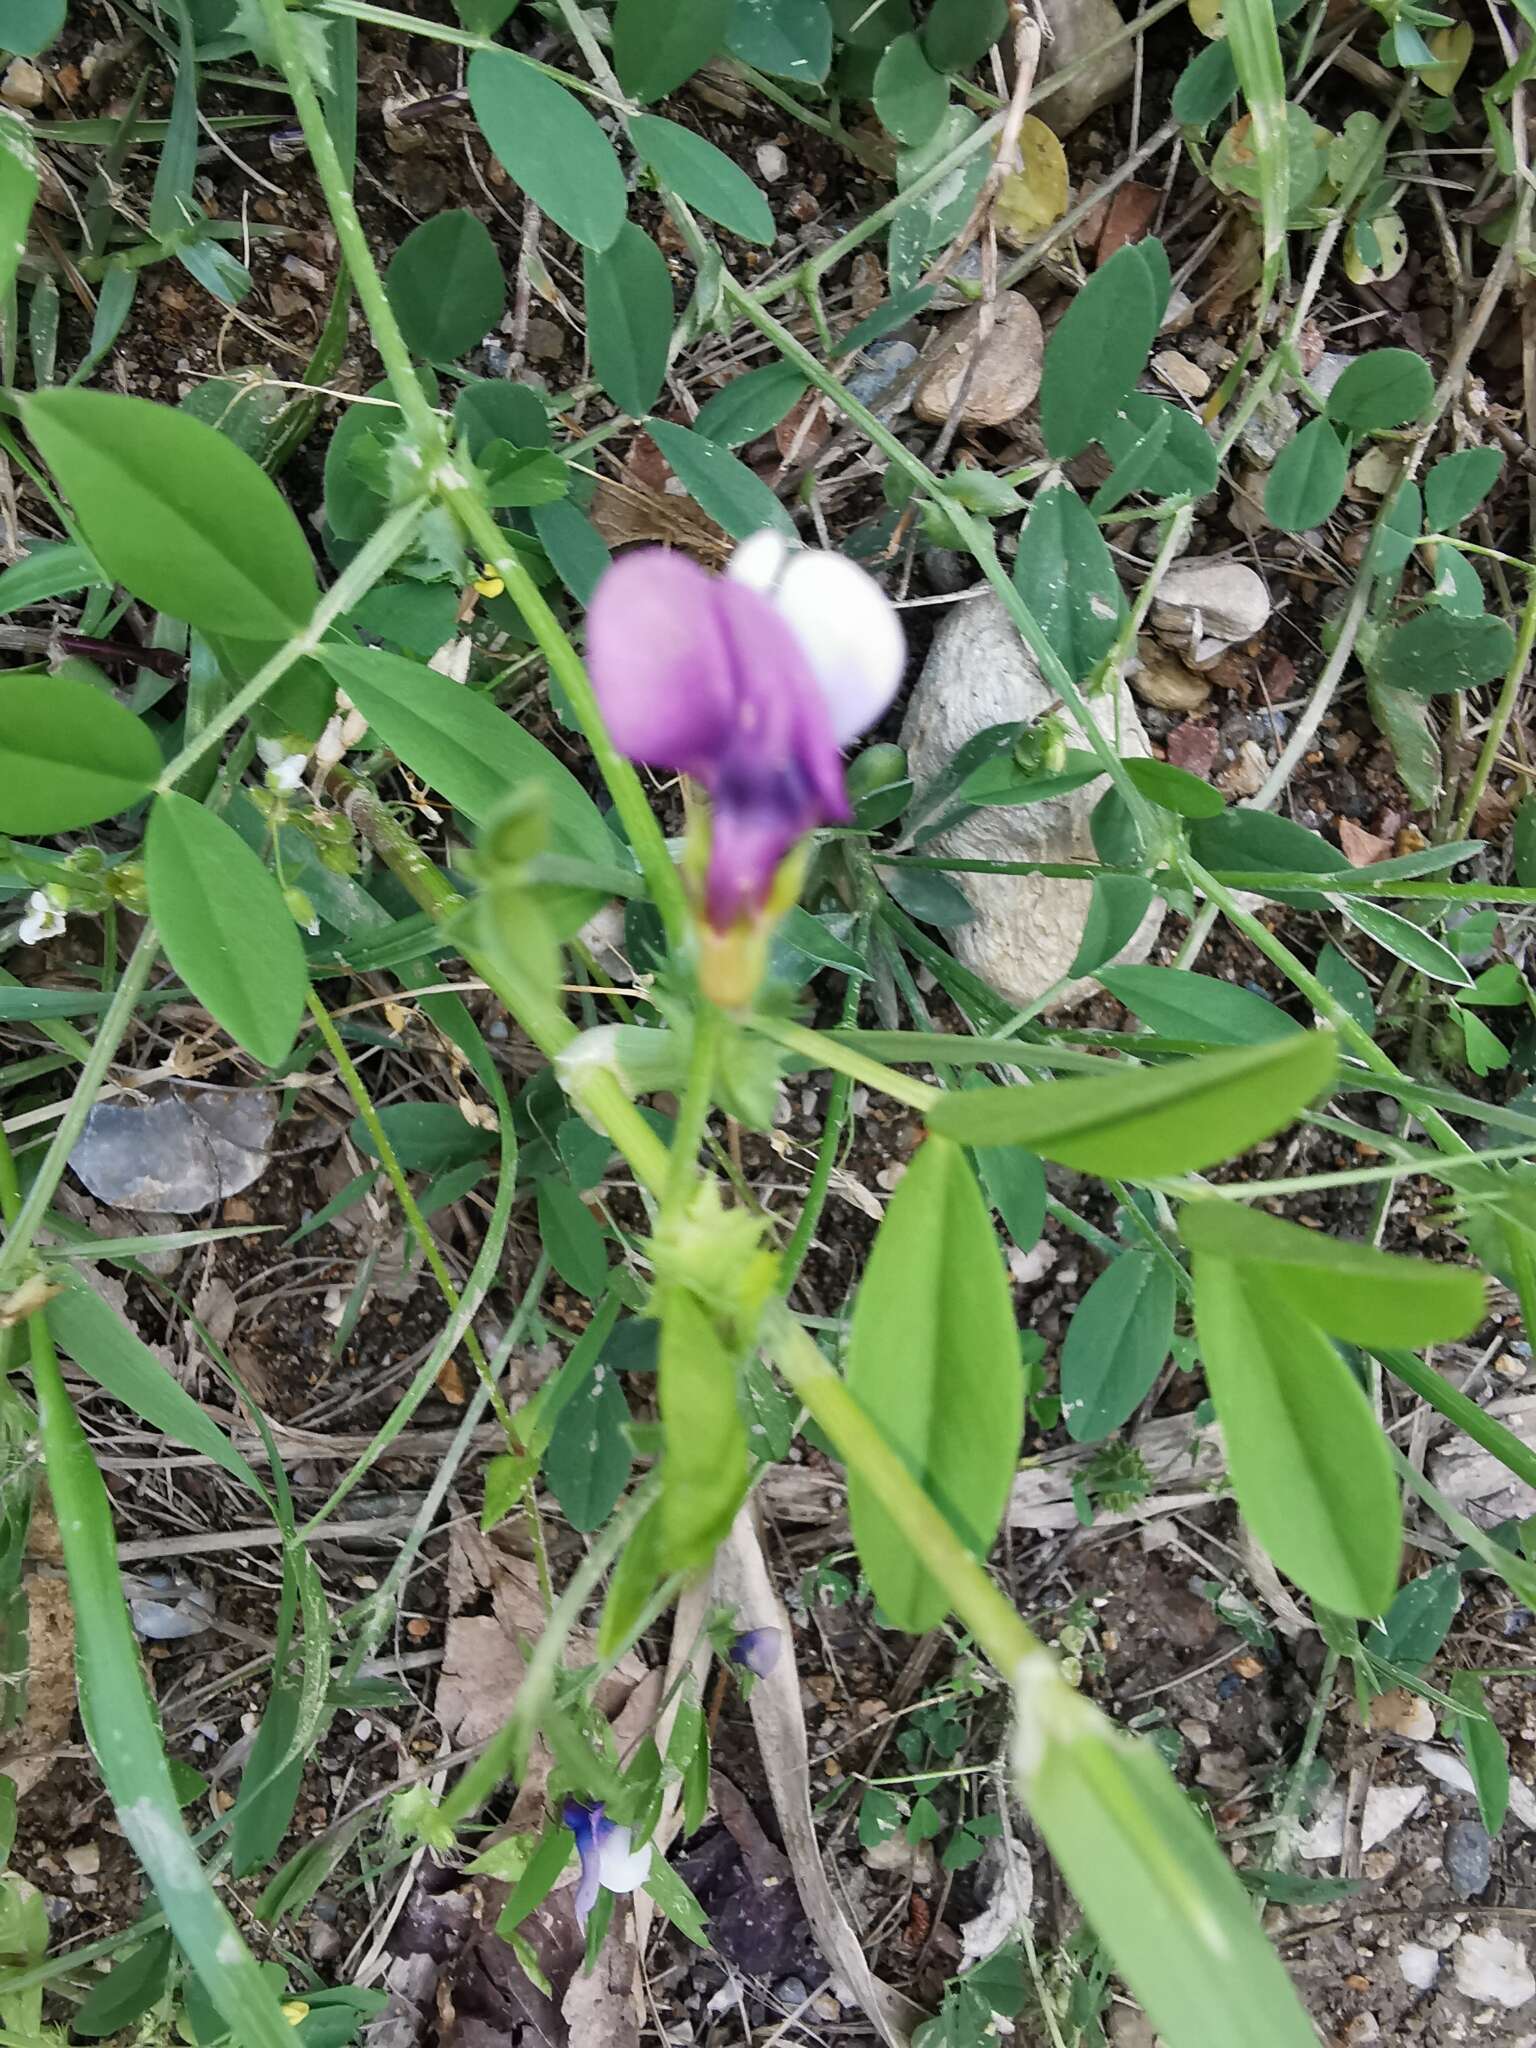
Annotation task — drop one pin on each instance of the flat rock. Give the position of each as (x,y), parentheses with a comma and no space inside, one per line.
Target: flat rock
(178,1149)
(1026,930)
(1007,373)
(1204,607)
(1080,28)
(1162,680)
(1492,1967)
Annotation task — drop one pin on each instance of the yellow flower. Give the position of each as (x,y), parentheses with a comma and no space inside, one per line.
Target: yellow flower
(295,2012)
(488,583)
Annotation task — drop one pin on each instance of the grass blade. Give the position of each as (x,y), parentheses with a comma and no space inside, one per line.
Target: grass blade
(1255,45)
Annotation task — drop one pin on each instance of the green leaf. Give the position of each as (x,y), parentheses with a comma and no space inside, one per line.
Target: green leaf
(786,38)
(1066,575)
(129,1988)
(549,145)
(574,546)
(703,176)
(1416,1624)
(748,406)
(1097,351)
(1133,471)
(1143,1123)
(1348,1289)
(445,285)
(1175,789)
(1407,941)
(1178,1004)
(1120,1334)
(1438,651)
(879,1817)
(959,33)
(540,1875)
(1206,86)
(1249,842)
(225,927)
(674,1898)
(1115,911)
(1307,1458)
(466,749)
(70,754)
(491,409)
(426,1137)
(1386,388)
(574,1238)
(1483,1747)
(1457,485)
(1410,733)
(31,25)
(18,192)
(1524,837)
(933,1359)
(726,489)
(1307,480)
(588,1460)
(870,24)
(1183,460)
(929,896)
(1159,1892)
(522,477)
(1013,1181)
(1347,985)
(48,569)
(704,1461)
(910,96)
(176,513)
(658,46)
(90,1331)
(629,318)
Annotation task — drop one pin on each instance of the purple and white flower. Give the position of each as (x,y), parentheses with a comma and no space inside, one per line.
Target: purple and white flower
(608,1863)
(750,684)
(756,1650)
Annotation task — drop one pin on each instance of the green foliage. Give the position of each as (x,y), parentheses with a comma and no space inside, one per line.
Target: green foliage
(1066,575)
(1388,387)
(959,33)
(704,1466)
(1178,1004)
(1457,484)
(1307,480)
(657,45)
(786,38)
(1143,1123)
(548,144)
(1116,1345)
(176,513)
(933,1357)
(445,285)
(1484,1748)
(910,96)
(70,754)
(1435,653)
(18,193)
(629,318)
(751,404)
(30,26)
(225,927)
(727,490)
(703,176)
(1097,351)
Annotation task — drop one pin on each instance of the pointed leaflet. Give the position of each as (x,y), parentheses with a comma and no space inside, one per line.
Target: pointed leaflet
(1120,1334)
(934,1360)
(70,754)
(1308,1461)
(176,513)
(1351,1290)
(18,193)
(1307,480)
(704,1465)
(658,45)
(703,176)
(726,489)
(1097,351)
(549,145)
(445,285)
(225,927)
(629,318)
(1140,1123)
(1066,575)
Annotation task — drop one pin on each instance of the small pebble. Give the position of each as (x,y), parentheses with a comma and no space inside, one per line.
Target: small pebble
(772,163)
(1468,1858)
(23,85)
(1419,1966)
(791,1993)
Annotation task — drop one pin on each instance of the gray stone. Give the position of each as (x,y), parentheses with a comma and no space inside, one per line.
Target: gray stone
(1203,607)
(178,1148)
(881,367)
(1026,930)
(1080,28)
(1468,1858)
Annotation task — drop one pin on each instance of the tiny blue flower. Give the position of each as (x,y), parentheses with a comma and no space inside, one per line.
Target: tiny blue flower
(607,1860)
(756,1650)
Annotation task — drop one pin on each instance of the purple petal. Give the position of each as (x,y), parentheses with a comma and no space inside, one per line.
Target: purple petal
(659,661)
(757,1650)
(587,1824)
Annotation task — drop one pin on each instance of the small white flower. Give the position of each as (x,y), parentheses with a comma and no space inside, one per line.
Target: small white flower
(44,920)
(285,771)
(845,623)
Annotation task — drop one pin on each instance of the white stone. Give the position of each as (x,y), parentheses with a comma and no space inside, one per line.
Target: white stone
(772,163)
(1204,607)
(1080,28)
(1180,374)
(1491,1966)
(1027,928)
(1418,1965)
(23,85)
(1007,373)
(1386,1809)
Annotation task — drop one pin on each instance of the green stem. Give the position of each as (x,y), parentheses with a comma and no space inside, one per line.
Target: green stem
(114,1025)
(693,1113)
(984,1609)
(842,1059)
(1322,999)
(1503,711)
(826,1155)
(370,563)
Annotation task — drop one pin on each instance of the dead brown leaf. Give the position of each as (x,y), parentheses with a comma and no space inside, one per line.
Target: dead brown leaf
(1362,849)
(50,1713)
